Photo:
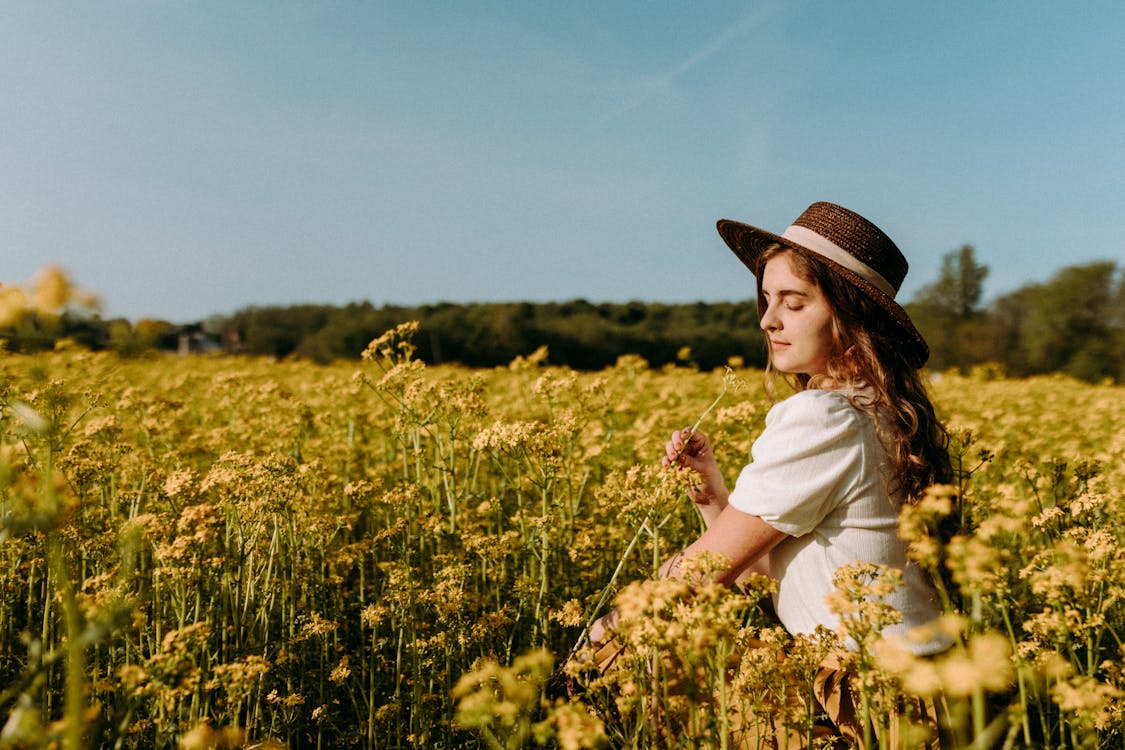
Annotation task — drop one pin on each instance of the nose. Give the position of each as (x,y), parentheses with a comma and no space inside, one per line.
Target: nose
(769,320)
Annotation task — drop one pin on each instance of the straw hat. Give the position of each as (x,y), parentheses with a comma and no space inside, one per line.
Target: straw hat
(849,245)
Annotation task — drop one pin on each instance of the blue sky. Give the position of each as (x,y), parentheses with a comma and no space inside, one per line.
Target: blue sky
(187,159)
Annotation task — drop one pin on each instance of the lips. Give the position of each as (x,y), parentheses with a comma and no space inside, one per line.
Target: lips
(778,344)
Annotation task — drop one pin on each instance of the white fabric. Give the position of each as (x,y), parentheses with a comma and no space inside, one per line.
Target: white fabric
(816,476)
(806,237)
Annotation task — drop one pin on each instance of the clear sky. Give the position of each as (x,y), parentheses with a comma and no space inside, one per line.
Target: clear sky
(184,159)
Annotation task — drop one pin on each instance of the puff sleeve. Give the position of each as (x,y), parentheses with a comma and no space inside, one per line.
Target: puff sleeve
(805,462)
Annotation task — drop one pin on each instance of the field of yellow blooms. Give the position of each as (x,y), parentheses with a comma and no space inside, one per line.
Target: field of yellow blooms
(226,552)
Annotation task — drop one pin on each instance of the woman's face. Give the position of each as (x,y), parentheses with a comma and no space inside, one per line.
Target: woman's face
(797,319)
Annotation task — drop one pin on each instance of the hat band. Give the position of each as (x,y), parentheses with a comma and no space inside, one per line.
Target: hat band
(810,240)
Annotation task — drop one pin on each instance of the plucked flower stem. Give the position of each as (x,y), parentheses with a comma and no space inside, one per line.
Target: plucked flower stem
(607,591)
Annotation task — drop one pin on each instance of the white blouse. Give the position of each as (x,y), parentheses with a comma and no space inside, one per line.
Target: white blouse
(816,477)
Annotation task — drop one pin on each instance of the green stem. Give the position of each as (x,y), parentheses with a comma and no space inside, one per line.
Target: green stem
(75,702)
(604,597)
(1024,721)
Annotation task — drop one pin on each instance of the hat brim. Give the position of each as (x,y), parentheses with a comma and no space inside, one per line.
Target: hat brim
(748,244)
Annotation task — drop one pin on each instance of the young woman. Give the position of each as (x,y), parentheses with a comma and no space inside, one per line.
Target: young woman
(837,459)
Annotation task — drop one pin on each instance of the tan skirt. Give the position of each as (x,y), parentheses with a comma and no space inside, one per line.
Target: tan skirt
(913,722)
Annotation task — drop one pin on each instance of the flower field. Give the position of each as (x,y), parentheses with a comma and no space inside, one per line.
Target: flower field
(226,552)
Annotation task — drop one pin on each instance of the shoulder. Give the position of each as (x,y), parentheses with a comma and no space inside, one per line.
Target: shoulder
(815,409)
(811,422)
(806,462)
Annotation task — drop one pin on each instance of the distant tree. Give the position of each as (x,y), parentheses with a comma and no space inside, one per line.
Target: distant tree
(949,308)
(318,346)
(1117,321)
(959,286)
(32,330)
(1001,335)
(85,330)
(213,325)
(1075,322)
(125,339)
(278,331)
(1069,325)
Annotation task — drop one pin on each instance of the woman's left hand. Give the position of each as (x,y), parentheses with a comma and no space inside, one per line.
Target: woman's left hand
(602,628)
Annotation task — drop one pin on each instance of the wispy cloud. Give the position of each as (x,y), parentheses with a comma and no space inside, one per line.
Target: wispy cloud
(661,84)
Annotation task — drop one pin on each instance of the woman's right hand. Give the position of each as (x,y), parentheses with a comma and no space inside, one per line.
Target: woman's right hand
(692,450)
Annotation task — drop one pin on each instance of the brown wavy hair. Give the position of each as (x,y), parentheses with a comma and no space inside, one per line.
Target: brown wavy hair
(866,363)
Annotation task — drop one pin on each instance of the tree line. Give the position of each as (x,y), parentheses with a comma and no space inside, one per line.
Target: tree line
(1073,323)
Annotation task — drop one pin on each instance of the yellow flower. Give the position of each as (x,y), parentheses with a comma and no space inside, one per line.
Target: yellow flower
(340,672)
(492,695)
(1089,701)
(13,305)
(569,615)
(575,728)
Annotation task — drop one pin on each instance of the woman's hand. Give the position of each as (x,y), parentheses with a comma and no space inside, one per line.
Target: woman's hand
(693,451)
(602,627)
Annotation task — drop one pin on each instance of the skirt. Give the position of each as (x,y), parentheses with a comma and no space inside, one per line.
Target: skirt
(909,722)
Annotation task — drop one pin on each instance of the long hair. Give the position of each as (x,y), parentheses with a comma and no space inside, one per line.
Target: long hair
(866,364)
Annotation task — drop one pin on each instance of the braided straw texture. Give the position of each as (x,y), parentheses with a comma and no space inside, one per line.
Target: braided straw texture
(855,235)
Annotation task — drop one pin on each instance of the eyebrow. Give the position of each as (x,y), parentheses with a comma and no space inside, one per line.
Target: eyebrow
(787,293)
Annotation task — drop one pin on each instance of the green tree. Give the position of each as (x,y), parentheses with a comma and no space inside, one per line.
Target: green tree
(949,309)
(959,286)
(1117,322)
(1069,325)
(1000,338)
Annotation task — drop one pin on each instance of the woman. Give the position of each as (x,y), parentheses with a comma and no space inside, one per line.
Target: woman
(838,458)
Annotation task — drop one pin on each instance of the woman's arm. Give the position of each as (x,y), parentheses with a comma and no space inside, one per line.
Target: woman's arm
(742,538)
(693,451)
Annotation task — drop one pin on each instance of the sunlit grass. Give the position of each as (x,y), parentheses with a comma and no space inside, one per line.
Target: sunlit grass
(379,554)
